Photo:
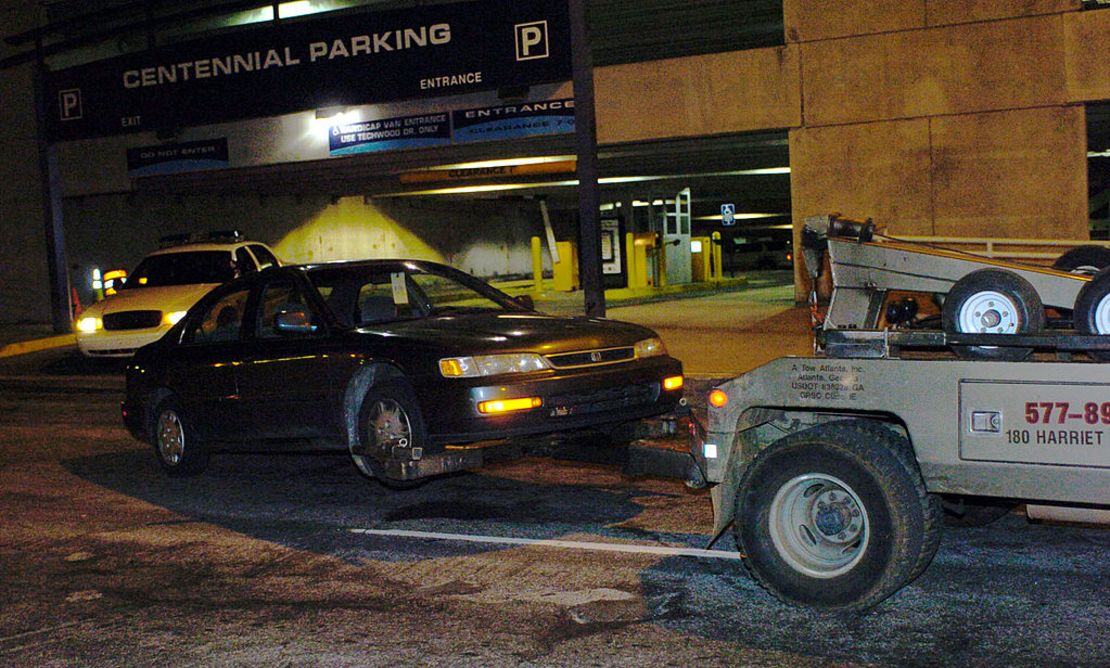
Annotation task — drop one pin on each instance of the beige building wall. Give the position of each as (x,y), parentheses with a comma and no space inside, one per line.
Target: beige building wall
(946,117)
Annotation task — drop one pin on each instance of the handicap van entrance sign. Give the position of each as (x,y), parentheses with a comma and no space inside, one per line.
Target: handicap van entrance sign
(728,214)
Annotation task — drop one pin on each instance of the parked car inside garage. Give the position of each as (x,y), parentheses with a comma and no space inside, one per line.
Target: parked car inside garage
(396,361)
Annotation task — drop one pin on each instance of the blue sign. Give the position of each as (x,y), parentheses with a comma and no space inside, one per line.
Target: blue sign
(513,121)
(174,158)
(390,134)
(338,58)
(728,214)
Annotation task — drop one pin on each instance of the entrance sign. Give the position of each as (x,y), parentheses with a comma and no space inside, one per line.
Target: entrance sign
(339,59)
(513,121)
(390,134)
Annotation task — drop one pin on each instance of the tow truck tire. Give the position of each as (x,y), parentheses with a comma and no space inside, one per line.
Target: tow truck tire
(1092,310)
(1087,260)
(830,517)
(993,301)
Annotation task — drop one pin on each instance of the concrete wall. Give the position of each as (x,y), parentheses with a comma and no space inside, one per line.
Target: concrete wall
(484,238)
(26,291)
(719,93)
(946,117)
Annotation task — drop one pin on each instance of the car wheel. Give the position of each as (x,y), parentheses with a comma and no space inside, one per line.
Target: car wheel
(180,451)
(1092,310)
(391,429)
(992,301)
(1087,260)
(830,517)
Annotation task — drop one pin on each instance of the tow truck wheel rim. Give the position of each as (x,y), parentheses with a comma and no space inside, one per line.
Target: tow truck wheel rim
(988,312)
(818,525)
(171,437)
(1102,315)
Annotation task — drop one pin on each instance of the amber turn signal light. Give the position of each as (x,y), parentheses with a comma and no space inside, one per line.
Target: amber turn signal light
(509,405)
(672,382)
(718,399)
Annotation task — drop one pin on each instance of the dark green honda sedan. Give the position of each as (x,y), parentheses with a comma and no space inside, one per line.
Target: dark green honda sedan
(393,361)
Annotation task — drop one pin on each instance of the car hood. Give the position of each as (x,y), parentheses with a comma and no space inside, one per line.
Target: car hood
(168,298)
(481,333)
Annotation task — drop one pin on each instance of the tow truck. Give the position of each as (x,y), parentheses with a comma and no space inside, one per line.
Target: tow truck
(835,470)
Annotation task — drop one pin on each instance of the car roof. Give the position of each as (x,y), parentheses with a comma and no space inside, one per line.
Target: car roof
(226,246)
(383,262)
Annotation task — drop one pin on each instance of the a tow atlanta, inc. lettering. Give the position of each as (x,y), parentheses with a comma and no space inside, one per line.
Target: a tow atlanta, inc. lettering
(264,59)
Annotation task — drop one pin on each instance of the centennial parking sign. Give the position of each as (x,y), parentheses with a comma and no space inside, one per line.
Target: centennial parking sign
(336,59)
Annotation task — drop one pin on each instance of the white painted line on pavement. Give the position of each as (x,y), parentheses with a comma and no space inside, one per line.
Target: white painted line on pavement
(544,542)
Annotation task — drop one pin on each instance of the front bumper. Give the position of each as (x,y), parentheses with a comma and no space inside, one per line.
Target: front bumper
(574,400)
(119,343)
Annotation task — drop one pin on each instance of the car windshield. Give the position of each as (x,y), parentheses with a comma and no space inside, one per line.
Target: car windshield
(182,269)
(368,294)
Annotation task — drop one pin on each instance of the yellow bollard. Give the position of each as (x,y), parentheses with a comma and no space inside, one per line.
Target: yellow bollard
(537,265)
(566,269)
(718,269)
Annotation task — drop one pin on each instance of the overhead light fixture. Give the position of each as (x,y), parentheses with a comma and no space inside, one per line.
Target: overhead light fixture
(503,162)
(743,216)
(328,112)
(495,187)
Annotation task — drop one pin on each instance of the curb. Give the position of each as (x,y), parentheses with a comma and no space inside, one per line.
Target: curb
(35,345)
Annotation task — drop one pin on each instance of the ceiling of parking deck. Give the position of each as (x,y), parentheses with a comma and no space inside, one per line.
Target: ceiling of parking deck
(748,170)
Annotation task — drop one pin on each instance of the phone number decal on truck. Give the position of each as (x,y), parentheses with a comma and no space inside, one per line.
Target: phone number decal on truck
(1039,423)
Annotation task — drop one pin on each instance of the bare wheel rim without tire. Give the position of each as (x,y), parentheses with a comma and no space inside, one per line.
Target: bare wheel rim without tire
(818,525)
(389,425)
(171,437)
(988,312)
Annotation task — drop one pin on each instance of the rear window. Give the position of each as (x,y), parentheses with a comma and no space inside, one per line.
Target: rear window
(182,269)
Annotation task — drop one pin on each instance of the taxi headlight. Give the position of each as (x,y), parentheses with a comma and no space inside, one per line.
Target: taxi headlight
(89,325)
(173,318)
(491,365)
(652,347)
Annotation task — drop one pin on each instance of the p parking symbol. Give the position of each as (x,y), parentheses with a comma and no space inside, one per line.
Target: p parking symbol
(69,104)
(531,40)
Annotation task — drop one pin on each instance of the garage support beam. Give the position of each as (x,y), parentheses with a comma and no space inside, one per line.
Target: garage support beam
(585,128)
(61,314)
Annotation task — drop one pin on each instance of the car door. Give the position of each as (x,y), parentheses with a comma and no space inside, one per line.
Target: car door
(204,365)
(285,379)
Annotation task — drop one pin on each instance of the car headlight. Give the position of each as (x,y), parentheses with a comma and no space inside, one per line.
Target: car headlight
(652,347)
(173,318)
(89,325)
(491,365)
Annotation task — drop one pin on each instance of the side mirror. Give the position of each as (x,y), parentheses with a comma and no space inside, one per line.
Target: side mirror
(526,301)
(293,319)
